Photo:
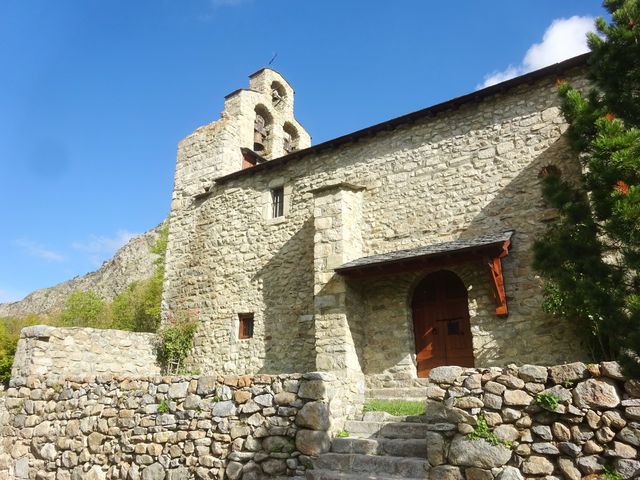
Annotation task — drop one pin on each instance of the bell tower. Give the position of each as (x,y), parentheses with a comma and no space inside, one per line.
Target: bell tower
(256,125)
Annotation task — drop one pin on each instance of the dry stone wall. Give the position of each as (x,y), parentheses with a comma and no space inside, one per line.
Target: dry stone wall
(45,350)
(174,428)
(492,423)
(594,425)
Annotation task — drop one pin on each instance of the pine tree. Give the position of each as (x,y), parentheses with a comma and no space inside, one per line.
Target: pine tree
(590,258)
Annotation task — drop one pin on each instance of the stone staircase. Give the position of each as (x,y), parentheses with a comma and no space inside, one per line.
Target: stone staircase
(379,446)
(414,390)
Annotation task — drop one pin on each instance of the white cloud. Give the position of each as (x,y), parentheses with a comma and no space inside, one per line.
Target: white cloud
(100,248)
(36,250)
(101,244)
(564,38)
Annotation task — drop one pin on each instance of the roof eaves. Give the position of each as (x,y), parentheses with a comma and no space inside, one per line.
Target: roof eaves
(416,254)
(413,116)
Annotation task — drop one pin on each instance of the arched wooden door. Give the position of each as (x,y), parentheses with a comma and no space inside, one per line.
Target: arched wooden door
(441,322)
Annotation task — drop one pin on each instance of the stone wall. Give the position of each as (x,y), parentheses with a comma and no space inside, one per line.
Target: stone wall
(459,173)
(45,350)
(249,427)
(594,425)
(176,428)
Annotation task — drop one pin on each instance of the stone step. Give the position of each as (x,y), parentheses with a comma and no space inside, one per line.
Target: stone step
(333,475)
(397,447)
(388,418)
(404,467)
(382,417)
(362,429)
(402,383)
(413,394)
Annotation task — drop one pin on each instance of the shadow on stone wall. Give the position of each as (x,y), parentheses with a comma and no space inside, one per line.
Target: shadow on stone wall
(527,335)
(289,332)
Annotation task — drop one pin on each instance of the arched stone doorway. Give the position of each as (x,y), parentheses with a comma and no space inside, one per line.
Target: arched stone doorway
(441,322)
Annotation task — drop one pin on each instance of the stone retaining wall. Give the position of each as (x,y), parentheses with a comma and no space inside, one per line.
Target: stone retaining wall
(176,428)
(594,425)
(79,351)
(264,426)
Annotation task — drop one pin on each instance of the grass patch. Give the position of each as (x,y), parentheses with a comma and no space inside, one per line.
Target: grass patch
(394,407)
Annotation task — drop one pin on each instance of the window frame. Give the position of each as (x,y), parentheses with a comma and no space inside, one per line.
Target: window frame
(277,202)
(246,326)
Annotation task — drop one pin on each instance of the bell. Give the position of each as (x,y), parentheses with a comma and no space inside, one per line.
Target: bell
(258,138)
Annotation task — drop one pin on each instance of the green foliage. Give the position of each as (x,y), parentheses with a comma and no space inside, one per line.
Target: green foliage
(9,334)
(610,473)
(163,406)
(176,339)
(482,431)
(394,407)
(138,307)
(548,401)
(85,309)
(342,434)
(590,258)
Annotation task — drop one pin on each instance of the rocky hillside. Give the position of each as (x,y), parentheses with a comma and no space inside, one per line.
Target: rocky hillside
(132,262)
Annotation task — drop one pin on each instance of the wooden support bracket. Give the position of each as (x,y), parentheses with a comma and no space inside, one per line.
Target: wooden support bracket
(497,281)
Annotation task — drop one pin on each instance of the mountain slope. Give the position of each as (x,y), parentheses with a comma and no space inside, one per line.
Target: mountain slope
(132,262)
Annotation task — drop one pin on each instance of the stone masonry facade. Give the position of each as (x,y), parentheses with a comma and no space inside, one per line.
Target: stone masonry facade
(455,172)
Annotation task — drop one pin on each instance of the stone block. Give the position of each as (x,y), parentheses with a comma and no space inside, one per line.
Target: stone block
(312,442)
(596,394)
(314,415)
(477,453)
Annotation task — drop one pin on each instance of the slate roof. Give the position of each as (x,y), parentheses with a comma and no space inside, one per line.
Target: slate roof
(552,70)
(420,253)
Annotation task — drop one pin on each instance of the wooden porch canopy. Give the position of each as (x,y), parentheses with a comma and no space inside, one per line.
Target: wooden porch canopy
(486,249)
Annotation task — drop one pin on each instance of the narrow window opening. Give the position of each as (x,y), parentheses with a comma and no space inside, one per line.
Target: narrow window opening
(259,133)
(277,202)
(278,95)
(246,325)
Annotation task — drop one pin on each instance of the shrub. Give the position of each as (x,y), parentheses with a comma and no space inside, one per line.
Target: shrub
(85,309)
(610,473)
(9,334)
(163,407)
(482,431)
(176,339)
(548,401)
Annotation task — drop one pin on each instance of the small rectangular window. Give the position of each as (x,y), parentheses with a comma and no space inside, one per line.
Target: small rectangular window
(246,325)
(277,202)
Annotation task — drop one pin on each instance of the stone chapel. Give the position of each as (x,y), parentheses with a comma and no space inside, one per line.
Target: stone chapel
(382,253)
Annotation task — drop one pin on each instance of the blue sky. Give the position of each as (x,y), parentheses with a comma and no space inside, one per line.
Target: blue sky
(96,94)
